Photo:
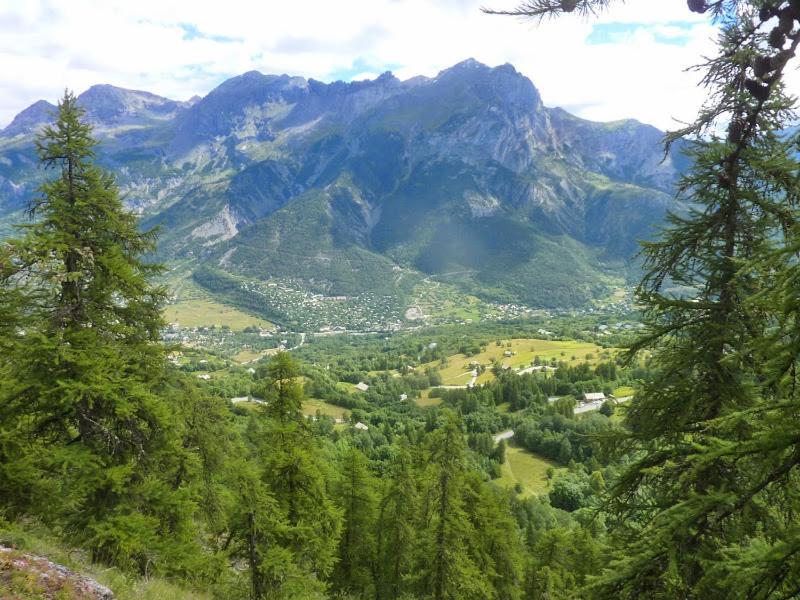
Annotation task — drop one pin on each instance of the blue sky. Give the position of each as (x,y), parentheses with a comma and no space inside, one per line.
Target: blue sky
(629,63)
(676,33)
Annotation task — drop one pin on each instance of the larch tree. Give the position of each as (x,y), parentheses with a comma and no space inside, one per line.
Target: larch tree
(397,524)
(708,505)
(356,496)
(446,563)
(295,474)
(80,413)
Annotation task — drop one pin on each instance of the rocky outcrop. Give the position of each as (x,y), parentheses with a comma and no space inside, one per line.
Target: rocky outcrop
(23,575)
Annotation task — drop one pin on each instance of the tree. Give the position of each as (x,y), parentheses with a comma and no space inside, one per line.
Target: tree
(497,542)
(355,494)
(81,415)
(707,507)
(397,525)
(445,566)
(295,476)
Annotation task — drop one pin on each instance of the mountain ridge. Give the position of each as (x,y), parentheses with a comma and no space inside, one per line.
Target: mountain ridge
(465,171)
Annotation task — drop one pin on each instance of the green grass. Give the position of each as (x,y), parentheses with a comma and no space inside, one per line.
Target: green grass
(246,356)
(623,391)
(525,350)
(527,469)
(204,313)
(310,408)
(424,400)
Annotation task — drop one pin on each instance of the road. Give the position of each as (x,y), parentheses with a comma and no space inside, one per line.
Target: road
(302,341)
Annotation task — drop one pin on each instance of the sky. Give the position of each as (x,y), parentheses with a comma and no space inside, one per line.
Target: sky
(629,63)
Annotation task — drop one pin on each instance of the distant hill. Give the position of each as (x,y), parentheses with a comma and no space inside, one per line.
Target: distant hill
(350,188)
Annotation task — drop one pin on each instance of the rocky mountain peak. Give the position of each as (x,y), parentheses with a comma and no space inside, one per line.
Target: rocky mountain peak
(108,105)
(30,119)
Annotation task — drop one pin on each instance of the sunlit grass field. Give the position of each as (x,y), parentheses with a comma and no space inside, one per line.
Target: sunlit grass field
(527,469)
(425,400)
(310,408)
(524,351)
(204,313)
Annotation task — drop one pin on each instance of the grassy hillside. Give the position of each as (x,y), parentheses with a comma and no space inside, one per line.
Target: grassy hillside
(524,351)
(526,469)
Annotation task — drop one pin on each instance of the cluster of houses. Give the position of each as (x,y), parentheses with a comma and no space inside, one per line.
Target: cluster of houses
(328,314)
(619,326)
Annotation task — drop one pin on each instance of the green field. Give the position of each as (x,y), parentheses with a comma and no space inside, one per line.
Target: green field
(246,356)
(523,353)
(527,469)
(425,400)
(624,391)
(204,313)
(310,408)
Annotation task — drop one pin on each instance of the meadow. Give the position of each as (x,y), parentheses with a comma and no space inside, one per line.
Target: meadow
(202,312)
(524,351)
(526,469)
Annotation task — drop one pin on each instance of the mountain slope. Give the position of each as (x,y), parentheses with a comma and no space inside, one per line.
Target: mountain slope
(339,187)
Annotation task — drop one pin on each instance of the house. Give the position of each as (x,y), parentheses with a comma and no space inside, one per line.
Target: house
(594,396)
(507,353)
(361,427)
(361,386)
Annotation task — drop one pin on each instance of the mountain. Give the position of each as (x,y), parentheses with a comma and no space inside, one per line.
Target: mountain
(375,186)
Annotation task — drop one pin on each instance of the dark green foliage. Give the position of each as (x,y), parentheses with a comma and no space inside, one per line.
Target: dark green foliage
(355,494)
(711,484)
(83,374)
(296,480)
(570,491)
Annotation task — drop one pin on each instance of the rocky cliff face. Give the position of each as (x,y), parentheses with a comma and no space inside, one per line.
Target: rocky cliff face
(432,174)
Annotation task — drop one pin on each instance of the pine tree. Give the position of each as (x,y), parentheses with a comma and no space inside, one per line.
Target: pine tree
(80,396)
(497,543)
(355,494)
(397,526)
(708,506)
(446,566)
(295,476)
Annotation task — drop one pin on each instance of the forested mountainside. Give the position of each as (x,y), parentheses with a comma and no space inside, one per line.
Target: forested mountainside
(369,186)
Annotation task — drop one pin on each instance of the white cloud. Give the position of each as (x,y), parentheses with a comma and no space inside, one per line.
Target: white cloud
(179,48)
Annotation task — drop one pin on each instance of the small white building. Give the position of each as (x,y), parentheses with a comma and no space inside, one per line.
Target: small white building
(204,376)
(361,427)
(361,386)
(403,397)
(594,396)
